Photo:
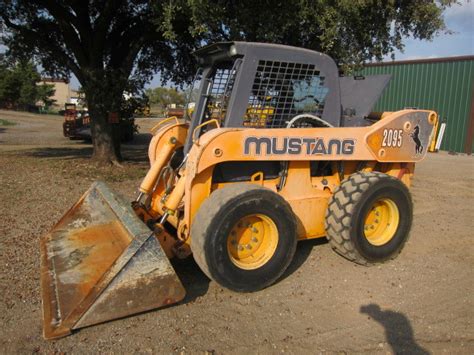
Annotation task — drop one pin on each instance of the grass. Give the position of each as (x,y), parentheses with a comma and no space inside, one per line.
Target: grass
(6,122)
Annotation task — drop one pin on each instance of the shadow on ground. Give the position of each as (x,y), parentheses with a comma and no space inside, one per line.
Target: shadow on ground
(303,250)
(141,139)
(60,152)
(136,151)
(194,280)
(398,329)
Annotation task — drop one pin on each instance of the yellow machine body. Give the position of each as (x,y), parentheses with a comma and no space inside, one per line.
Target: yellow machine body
(307,195)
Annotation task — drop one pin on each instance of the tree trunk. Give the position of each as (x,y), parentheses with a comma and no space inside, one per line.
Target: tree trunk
(105,138)
(103,99)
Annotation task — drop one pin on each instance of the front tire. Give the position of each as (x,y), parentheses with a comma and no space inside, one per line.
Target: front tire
(244,237)
(369,217)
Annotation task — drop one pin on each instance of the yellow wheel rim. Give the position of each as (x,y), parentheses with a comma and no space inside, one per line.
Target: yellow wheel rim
(381,222)
(252,241)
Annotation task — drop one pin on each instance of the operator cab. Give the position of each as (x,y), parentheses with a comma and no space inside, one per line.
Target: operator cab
(276,86)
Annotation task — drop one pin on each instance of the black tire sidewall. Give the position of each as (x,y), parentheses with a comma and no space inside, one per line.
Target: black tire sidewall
(399,194)
(222,269)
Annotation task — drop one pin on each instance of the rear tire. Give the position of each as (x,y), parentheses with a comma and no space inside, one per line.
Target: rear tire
(369,217)
(244,237)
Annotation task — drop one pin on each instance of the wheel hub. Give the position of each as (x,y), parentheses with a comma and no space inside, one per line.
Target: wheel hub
(252,241)
(381,222)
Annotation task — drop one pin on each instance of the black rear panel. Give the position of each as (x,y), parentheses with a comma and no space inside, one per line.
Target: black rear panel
(235,171)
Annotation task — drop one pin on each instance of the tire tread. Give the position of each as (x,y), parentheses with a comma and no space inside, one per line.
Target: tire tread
(339,214)
(222,199)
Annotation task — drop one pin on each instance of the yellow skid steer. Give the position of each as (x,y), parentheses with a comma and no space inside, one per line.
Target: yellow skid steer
(279,149)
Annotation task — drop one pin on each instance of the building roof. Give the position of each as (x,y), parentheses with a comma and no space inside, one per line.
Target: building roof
(422,61)
(55,80)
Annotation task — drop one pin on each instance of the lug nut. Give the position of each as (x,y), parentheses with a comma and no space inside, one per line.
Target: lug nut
(240,248)
(255,240)
(248,246)
(255,230)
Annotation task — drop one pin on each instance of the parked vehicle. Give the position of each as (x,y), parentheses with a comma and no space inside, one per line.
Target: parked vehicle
(77,125)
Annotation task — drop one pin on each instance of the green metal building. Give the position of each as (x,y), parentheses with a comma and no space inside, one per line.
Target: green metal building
(445,85)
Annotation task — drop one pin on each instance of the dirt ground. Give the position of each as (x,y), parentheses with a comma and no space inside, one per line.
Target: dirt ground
(421,302)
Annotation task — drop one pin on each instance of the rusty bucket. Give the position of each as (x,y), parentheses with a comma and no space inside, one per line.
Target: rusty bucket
(100,262)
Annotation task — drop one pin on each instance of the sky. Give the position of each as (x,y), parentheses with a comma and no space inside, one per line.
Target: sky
(460,20)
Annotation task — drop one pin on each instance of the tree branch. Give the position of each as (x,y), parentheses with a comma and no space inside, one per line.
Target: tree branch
(36,38)
(64,18)
(101,28)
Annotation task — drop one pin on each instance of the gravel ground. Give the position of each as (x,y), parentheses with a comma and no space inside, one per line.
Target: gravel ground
(421,302)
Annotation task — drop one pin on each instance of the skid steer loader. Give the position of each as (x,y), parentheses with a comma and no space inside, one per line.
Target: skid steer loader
(279,149)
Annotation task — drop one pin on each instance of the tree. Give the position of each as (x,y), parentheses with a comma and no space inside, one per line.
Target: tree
(117,45)
(110,46)
(163,97)
(351,32)
(20,86)
(44,93)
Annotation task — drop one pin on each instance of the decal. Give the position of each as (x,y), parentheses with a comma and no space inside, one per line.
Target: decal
(392,137)
(416,138)
(298,145)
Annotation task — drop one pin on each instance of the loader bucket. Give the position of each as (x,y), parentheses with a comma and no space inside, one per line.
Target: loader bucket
(101,262)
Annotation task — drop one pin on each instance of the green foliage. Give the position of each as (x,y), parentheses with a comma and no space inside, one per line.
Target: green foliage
(19,87)
(44,94)
(133,39)
(133,105)
(6,122)
(350,31)
(163,97)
